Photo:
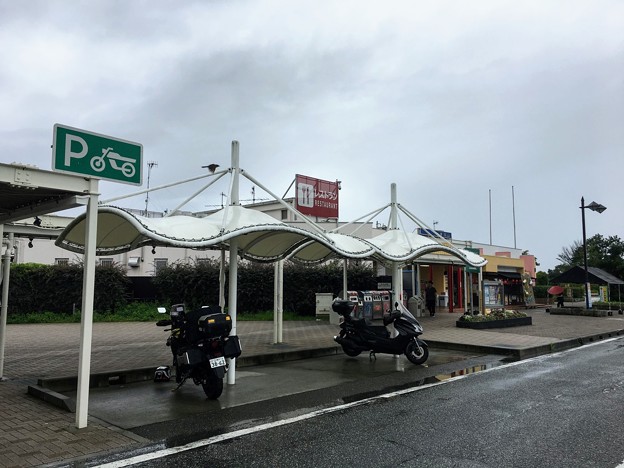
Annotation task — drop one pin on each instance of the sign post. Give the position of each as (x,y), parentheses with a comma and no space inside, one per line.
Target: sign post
(97,156)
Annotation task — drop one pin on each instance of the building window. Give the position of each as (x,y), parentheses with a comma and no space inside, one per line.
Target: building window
(159,263)
(61,261)
(107,262)
(284,215)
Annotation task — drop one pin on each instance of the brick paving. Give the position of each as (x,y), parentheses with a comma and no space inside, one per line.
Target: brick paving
(34,433)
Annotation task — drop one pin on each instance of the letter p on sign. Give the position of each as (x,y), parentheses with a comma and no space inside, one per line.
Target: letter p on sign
(69,153)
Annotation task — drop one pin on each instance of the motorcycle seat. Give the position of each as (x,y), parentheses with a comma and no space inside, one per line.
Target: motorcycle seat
(359,322)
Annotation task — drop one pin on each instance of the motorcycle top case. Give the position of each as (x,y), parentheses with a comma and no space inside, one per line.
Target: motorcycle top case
(215,325)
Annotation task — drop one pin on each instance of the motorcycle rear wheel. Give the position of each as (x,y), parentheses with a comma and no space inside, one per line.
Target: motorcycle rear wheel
(213,387)
(416,354)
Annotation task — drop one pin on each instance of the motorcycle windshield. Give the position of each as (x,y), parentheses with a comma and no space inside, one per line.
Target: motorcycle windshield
(408,316)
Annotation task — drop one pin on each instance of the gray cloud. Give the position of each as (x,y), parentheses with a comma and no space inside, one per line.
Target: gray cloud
(448,100)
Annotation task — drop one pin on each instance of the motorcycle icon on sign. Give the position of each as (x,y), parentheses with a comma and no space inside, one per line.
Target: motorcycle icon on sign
(117,162)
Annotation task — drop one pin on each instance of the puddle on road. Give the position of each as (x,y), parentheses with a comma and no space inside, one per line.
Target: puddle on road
(426,381)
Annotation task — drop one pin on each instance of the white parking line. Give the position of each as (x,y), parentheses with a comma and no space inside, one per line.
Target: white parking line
(262,427)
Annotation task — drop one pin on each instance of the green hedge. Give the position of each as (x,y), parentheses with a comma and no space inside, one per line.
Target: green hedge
(197,285)
(58,289)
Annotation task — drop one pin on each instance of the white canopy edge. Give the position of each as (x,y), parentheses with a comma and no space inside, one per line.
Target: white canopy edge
(260,238)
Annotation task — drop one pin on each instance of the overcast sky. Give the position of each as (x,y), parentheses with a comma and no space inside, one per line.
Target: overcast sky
(446,99)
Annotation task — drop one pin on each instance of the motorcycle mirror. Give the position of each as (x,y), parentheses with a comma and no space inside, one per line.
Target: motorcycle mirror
(162,310)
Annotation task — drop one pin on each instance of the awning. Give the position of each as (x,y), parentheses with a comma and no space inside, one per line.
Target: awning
(260,237)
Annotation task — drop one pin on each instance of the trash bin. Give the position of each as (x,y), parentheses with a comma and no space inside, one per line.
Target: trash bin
(442,300)
(414,305)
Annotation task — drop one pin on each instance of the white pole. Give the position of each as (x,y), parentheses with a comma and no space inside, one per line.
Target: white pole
(397,279)
(513,208)
(393,207)
(413,279)
(232,296)
(275,302)
(280,302)
(6,270)
(222,281)
(86,321)
(233,287)
(490,198)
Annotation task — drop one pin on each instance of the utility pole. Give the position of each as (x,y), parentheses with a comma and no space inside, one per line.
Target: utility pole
(150,165)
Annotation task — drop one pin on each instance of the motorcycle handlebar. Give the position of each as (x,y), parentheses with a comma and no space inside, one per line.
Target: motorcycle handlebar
(163,323)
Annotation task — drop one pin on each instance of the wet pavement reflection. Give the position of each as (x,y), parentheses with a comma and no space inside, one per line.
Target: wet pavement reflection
(139,404)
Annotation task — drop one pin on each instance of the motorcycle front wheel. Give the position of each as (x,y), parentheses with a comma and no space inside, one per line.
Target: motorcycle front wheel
(415,353)
(350,351)
(213,386)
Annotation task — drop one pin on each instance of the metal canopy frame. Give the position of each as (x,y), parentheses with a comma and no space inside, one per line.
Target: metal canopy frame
(25,192)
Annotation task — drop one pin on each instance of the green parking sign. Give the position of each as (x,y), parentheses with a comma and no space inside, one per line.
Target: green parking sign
(78,151)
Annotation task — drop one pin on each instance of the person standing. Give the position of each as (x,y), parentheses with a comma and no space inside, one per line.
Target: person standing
(431,295)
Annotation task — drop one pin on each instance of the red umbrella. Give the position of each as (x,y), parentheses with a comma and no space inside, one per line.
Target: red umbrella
(555,290)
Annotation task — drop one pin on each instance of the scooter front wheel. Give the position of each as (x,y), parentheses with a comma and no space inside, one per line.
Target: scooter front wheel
(350,351)
(417,353)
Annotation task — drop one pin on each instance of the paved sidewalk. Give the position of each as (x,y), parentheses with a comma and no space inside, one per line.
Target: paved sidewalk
(34,433)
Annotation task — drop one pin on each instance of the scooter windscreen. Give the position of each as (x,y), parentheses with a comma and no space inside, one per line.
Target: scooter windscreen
(407,315)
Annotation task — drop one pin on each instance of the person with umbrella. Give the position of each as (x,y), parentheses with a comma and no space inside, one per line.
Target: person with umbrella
(558,291)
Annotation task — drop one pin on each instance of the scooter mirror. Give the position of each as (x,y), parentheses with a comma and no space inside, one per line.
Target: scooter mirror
(162,310)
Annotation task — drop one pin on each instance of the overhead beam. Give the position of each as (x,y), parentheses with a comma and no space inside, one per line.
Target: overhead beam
(32,177)
(44,208)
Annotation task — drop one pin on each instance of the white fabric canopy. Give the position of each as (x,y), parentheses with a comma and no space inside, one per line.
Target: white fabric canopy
(400,246)
(260,237)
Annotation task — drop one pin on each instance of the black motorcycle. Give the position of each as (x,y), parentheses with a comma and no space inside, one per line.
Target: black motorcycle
(200,344)
(356,335)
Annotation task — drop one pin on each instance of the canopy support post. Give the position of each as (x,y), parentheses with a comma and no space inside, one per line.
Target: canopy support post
(233,286)
(6,270)
(86,312)
(222,281)
(278,302)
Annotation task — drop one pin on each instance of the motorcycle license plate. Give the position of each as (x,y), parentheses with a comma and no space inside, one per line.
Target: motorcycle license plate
(217,362)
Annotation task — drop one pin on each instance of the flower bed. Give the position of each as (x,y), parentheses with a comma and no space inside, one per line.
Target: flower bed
(496,319)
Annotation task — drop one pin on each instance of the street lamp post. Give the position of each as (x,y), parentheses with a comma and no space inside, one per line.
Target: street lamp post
(594,207)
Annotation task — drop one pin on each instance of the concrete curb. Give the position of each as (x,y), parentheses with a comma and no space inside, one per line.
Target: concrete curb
(529,352)
(52,397)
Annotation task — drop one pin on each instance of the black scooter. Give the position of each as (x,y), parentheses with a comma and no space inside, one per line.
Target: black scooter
(200,344)
(356,335)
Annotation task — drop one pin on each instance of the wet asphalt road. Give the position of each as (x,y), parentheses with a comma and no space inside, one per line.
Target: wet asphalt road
(559,411)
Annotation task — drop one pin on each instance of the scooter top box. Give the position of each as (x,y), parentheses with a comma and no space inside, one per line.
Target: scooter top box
(342,307)
(213,325)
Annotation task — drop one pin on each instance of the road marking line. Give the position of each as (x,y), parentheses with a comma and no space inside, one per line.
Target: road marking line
(262,427)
